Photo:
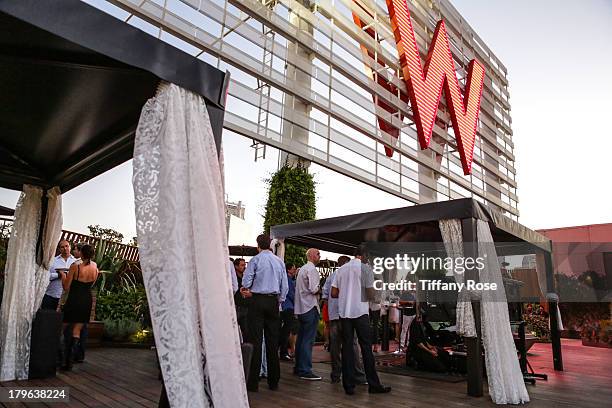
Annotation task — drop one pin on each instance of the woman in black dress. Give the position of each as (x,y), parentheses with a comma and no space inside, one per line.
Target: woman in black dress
(81,277)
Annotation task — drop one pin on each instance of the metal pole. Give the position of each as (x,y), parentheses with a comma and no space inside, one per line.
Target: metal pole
(555,334)
(473,344)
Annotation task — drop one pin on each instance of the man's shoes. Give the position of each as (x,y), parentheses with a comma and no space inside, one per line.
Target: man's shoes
(364,382)
(310,377)
(349,391)
(379,389)
(286,357)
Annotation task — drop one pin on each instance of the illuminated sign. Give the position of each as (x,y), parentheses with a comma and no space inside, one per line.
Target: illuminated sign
(425,84)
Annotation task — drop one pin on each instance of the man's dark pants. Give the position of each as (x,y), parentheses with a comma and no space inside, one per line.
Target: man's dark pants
(305,341)
(264,319)
(242,313)
(49,303)
(288,324)
(335,350)
(360,326)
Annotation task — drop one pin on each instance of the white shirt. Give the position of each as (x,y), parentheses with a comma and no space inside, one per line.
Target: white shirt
(306,287)
(351,280)
(55,287)
(332,303)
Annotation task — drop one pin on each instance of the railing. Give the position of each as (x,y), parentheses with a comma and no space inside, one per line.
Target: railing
(127,252)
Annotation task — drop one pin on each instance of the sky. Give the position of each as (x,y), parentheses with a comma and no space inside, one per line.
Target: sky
(559,58)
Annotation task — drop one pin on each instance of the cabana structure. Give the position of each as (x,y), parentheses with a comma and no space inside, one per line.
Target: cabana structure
(472,222)
(83,92)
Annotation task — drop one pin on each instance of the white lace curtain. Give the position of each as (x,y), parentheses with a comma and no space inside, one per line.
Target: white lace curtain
(180,220)
(506,384)
(26,282)
(453,243)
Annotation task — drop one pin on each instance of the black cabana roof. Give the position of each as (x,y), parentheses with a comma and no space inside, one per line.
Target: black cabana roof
(343,234)
(74,80)
(6,212)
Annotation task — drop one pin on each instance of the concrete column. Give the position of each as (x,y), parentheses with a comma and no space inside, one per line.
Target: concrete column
(291,132)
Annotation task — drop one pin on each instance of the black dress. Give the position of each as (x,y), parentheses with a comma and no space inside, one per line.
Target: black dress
(78,305)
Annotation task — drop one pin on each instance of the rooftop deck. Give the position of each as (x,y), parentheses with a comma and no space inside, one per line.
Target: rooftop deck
(128,378)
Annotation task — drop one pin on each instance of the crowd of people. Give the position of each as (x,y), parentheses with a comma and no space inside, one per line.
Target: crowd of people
(278,310)
(72,274)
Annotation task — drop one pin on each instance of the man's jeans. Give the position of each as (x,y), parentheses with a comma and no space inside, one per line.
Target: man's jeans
(335,347)
(305,340)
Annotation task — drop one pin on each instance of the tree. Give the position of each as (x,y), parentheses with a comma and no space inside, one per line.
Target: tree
(107,234)
(291,198)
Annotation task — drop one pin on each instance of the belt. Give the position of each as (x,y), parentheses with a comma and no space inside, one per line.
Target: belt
(266,294)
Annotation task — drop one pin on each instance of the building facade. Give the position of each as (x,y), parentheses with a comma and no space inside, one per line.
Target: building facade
(322,81)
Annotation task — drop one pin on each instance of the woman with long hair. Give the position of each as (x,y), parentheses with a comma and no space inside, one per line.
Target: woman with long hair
(77,310)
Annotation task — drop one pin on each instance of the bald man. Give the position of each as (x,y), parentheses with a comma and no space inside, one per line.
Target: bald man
(306,307)
(57,273)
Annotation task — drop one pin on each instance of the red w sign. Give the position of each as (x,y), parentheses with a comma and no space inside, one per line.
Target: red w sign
(425,84)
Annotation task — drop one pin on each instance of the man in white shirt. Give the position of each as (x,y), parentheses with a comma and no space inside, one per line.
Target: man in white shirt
(335,332)
(354,287)
(57,273)
(306,308)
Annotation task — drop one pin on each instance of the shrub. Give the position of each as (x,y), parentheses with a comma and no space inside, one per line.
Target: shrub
(120,329)
(129,302)
(538,325)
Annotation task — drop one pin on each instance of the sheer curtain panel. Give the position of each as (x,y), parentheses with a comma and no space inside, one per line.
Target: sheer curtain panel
(180,220)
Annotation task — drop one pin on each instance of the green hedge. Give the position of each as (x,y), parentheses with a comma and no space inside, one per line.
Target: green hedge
(127,303)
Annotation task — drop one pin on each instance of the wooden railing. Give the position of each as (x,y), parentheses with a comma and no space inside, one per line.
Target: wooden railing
(127,252)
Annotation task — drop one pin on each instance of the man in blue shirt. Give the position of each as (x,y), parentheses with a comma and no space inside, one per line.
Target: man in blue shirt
(265,282)
(288,321)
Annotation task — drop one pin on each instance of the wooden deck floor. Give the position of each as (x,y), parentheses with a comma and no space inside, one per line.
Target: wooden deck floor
(128,378)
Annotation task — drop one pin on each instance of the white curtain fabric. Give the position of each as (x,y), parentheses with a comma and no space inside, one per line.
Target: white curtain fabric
(26,282)
(453,243)
(20,286)
(52,232)
(506,384)
(543,283)
(180,221)
(278,247)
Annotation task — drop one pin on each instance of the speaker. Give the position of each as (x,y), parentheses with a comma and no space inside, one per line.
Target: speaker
(45,343)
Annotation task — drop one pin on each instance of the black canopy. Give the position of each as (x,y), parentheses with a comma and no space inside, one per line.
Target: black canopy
(6,212)
(343,234)
(74,80)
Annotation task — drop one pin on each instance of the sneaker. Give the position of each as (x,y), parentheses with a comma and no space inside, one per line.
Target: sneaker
(286,357)
(379,390)
(310,377)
